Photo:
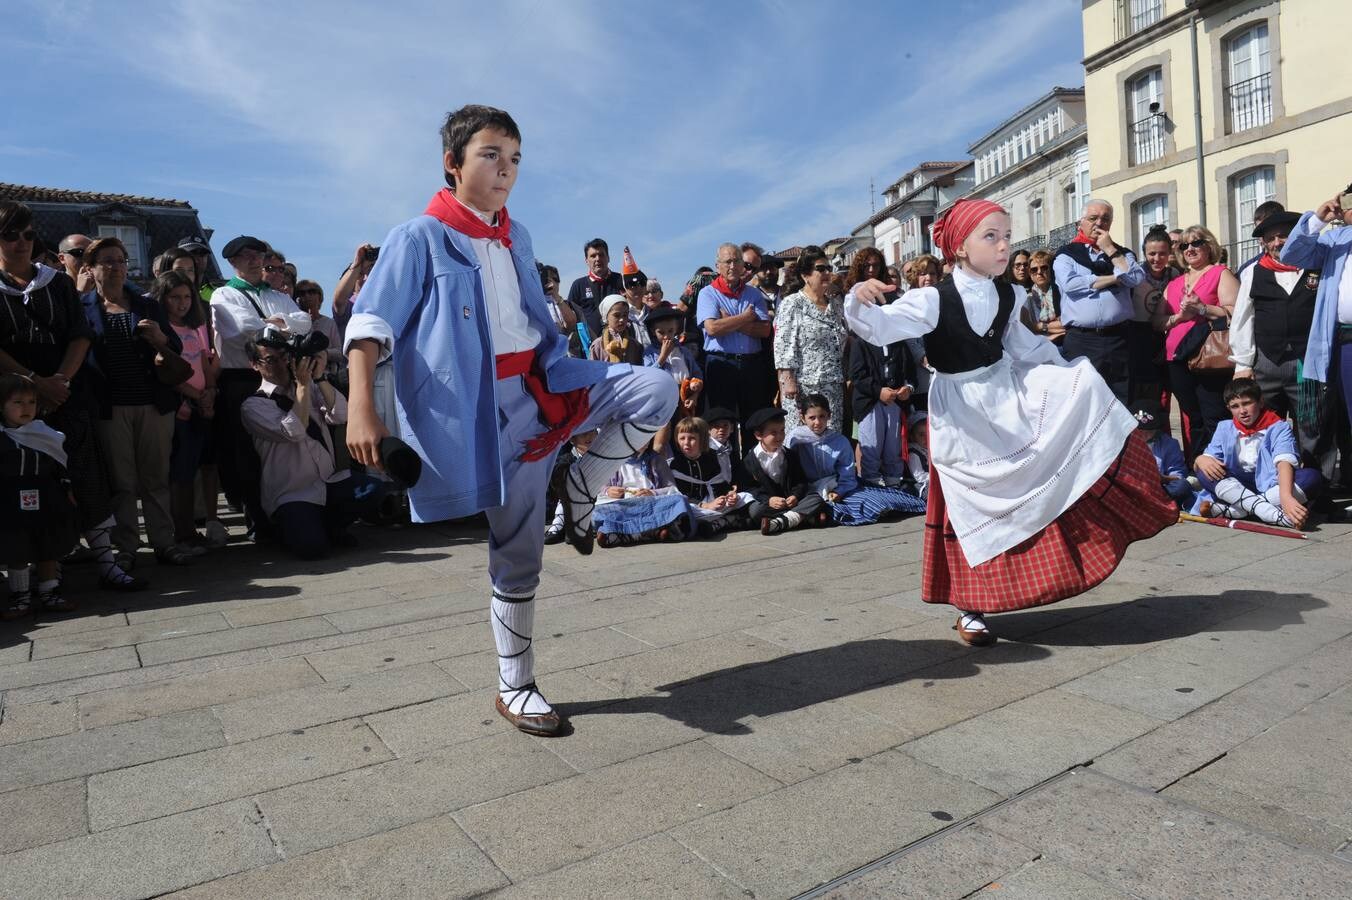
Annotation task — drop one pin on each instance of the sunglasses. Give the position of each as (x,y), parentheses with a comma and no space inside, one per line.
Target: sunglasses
(1196,245)
(1039,268)
(273,270)
(821,267)
(14,234)
(75,252)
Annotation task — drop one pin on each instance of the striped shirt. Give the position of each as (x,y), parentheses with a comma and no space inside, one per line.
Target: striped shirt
(128,381)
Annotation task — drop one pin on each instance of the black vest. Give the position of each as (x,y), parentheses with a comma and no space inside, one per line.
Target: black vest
(1281,321)
(953,346)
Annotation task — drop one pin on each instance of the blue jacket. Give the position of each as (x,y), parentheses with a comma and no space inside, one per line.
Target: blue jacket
(1326,251)
(1169,459)
(821,457)
(1279,444)
(424,302)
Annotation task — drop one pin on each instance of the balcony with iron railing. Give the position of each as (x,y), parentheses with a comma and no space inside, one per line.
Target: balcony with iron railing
(1249,103)
(1137,15)
(1146,139)
(1062,235)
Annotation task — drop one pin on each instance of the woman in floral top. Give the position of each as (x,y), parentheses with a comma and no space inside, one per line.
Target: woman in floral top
(810,339)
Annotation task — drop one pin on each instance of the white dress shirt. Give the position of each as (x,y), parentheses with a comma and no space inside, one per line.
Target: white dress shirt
(512,330)
(236,320)
(1241,322)
(772,463)
(295,467)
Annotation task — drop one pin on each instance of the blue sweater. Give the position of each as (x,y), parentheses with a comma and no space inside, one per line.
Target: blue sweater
(820,457)
(1279,445)
(1169,458)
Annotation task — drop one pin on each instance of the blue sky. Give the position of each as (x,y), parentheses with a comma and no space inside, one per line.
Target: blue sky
(668,127)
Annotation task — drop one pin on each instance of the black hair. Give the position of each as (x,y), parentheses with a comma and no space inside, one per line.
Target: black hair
(809,257)
(1242,387)
(251,350)
(460,126)
(14,384)
(1157,233)
(756,248)
(595,244)
(1264,210)
(14,214)
(547,271)
(815,400)
(164,286)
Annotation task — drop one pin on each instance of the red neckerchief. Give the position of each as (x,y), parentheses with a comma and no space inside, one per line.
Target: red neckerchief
(720,284)
(1268,262)
(561,413)
(1266,420)
(1080,238)
(596,279)
(449,210)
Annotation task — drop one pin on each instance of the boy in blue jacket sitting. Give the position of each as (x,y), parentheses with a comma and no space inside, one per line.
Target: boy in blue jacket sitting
(1252,466)
(1168,454)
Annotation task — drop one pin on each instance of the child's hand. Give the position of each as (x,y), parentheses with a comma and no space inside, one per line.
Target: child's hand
(902,393)
(1209,466)
(779,503)
(643,492)
(887,395)
(791,501)
(1295,511)
(615,493)
(833,496)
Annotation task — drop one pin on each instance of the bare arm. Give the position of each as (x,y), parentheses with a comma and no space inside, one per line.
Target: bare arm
(364,428)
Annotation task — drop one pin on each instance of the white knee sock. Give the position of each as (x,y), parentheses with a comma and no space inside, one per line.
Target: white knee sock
(1232,493)
(616,443)
(99,543)
(513,622)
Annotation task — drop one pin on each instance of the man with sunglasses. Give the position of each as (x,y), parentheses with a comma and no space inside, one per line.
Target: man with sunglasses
(71,254)
(1096,276)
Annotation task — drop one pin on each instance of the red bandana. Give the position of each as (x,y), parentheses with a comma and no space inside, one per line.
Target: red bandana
(721,285)
(1268,262)
(1266,420)
(1081,238)
(449,210)
(959,221)
(595,278)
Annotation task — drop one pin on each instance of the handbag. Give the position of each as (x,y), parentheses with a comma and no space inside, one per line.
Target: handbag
(1214,353)
(171,370)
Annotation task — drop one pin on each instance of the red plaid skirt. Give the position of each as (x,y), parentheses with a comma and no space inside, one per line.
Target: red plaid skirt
(1068,557)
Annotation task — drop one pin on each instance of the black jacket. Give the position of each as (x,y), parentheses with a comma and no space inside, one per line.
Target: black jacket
(761,486)
(164,398)
(870,366)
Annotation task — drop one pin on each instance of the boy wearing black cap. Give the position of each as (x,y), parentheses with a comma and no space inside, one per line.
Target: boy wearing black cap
(783,500)
(1168,454)
(666,352)
(723,439)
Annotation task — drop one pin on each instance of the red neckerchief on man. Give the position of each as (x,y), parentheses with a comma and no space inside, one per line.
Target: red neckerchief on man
(1266,420)
(447,208)
(720,284)
(597,278)
(1082,238)
(561,413)
(1273,265)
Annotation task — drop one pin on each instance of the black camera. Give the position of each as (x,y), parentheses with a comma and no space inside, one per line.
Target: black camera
(372,254)
(299,346)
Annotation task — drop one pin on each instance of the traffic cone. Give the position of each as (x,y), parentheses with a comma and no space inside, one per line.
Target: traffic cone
(628,266)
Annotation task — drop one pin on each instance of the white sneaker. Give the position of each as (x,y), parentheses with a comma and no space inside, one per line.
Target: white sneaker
(217,535)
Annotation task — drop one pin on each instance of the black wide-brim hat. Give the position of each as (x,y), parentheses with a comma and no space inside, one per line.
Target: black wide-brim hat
(664,313)
(1275,221)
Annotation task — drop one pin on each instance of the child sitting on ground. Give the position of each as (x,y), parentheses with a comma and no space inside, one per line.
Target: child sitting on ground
(714,501)
(1252,466)
(1168,454)
(828,461)
(641,503)
(723,440)
(782,499)
(666,352)
(37,514)
(578,445)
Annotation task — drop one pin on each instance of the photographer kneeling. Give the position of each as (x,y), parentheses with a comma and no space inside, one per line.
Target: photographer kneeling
(309,502)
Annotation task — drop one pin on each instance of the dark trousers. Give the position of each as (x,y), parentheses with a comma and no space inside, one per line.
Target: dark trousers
(1308,403)
(807,508)
(236,458)
(308,530)
(739,383)
(1145,349)
(1107,353)
(1199,396)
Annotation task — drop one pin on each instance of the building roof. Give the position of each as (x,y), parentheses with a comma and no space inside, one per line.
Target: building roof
(28,194)
(792,253)
(932,165)
(940,172)
(1057,91)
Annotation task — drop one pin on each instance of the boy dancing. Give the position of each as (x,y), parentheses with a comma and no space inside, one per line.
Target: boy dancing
(485,390)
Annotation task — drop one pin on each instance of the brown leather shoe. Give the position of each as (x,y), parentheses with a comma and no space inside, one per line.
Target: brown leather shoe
(976,638)
(547,725)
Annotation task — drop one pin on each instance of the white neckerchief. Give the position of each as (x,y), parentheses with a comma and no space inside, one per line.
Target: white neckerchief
(39,436)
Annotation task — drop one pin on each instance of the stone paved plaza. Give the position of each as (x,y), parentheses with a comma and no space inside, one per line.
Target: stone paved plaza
(753,717)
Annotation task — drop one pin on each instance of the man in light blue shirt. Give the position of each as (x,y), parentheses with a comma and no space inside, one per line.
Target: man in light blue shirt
(1096,276)
(735,321)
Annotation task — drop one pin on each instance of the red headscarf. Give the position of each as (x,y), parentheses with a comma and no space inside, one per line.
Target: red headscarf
(959,221)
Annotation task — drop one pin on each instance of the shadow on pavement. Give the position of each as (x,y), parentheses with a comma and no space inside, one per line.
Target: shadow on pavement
(718,702)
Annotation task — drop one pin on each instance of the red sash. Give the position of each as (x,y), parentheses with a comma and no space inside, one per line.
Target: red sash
(561,413)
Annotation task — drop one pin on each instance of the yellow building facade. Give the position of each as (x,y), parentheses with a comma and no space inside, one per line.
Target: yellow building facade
(1271,99)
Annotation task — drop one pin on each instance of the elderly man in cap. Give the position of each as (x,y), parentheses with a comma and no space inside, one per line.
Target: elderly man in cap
(240,310)
(1274,312)
(1096,276)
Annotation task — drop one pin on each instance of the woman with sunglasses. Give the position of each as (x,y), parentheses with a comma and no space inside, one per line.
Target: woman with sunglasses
(1044,298)
(44,336)
(810,339)
(1206,290)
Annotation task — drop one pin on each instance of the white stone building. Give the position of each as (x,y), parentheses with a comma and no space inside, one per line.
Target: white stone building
(901,229)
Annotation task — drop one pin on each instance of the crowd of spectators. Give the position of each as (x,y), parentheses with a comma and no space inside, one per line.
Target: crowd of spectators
(164,396)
